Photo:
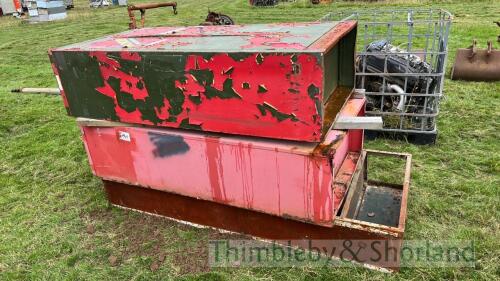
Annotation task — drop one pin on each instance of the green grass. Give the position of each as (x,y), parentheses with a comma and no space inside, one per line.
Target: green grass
(48,196)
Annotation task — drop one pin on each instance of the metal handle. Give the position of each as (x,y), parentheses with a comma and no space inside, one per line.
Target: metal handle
(473,49)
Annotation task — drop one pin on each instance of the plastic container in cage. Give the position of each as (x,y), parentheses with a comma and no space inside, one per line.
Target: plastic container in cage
(401,61)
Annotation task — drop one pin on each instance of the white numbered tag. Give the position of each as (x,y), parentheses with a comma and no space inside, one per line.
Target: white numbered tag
(124,136)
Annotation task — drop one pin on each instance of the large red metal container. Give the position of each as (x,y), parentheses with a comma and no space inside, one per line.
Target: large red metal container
(297,180)
(266,80)
(264,153)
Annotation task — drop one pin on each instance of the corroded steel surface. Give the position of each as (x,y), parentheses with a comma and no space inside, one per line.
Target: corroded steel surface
(473,64)
(259,80)
(257,224)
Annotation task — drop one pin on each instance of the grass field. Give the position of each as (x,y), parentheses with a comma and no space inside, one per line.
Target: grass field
(54,219)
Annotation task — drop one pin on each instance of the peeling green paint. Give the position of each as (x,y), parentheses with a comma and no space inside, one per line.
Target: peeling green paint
(203,76)
(89,103)
(262,89)
(185,125)
(264,108)
(259,58)
(159,76)
(195,99)
(226,93)
(313,93)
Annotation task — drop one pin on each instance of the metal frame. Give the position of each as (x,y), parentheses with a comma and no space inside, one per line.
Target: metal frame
(142,8)
(425,34)
(361,176)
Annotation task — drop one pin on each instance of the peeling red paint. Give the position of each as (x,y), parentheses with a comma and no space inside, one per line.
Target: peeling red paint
(240,114)
(233,112)
(128,83)
(272,42)
(132,117)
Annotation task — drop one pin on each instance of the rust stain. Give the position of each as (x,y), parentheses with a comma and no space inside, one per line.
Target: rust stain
(243,157)
(321,187)
(305,191)
(278,179)
(215,170)
(333,106)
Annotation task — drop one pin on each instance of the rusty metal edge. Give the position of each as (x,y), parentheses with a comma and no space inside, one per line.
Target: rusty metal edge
(394,231)
(309,148)
(351,94)
(127,194)
(329,39)
(404,199)
(347,199)
(406,184)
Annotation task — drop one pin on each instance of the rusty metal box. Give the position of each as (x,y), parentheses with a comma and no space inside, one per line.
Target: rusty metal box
(266,80)
(373,213)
